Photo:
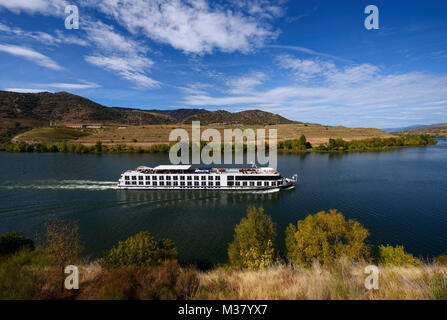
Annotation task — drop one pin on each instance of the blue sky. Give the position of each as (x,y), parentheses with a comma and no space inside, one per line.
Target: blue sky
(311,61)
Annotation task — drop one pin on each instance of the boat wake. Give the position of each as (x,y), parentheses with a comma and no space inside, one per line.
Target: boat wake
(62,185)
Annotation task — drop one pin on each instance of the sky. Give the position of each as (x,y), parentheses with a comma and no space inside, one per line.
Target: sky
(310,61)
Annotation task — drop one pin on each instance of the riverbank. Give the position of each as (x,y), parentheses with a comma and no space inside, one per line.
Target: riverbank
(145,268)
(284,146)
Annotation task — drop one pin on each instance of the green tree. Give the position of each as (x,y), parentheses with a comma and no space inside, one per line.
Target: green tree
(325,237)
(140,250)
(253,244)
(11,242)
(396,256)
(98,146)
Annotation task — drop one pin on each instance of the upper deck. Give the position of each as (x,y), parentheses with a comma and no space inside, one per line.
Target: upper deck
(186,169)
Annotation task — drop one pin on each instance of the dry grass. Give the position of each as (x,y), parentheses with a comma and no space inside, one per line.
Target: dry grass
(340,282)
(144,136)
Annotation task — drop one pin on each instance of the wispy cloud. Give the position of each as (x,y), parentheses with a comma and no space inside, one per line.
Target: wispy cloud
(192,26)
(361,93)
(245,83)
(119,54)
(41,87)
(31,55)
(310,52)
(62,85)
(43,37)
(24,90)
(46,7)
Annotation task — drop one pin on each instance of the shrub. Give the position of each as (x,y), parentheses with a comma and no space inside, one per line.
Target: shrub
(140,250)
(167,281)
(24,274)
(325,237)
(11,242)
(62,241)
(397,256)
(253,244)
(442,259)
(98,146)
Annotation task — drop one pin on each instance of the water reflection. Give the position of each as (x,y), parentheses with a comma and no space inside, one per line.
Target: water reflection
(196,198)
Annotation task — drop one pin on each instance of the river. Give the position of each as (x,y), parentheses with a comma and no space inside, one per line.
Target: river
(400,196)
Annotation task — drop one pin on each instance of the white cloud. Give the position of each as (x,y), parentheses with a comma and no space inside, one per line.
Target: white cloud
(128,68)
(23,90)
(191,26)
(246,83)
(46,7)
(310,52)
(361,93)
(305,69)
(119,54)
(62,85)
(43,37)
(57,85)
(31,55)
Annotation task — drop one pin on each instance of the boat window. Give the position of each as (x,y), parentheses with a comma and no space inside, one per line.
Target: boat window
(217,177)
(168,183)
(203,177)
(217,183)
(203,183)
(259,183)
(140,182)
(182,177)
(189,178)
(230,184)
(148,177)
(134,177)
(162,183)
(210,177)
(230,178)
(161,178)
(175,177)
(140,177)
(196,183)
(196,178)
(168,177)
(126,178)
(127,182)
(154,183)
(175,183)
(134,182)
(148,182)
(154,177)
(244,183)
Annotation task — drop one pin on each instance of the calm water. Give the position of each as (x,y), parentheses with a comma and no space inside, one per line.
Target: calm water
(400,196)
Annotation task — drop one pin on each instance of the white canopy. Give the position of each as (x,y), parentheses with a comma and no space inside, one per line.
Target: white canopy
(173,167)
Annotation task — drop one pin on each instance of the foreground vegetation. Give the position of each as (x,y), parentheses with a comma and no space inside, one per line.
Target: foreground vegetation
(325,258)
(286,146)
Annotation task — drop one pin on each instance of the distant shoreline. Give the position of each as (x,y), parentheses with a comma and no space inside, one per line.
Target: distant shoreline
(295,146)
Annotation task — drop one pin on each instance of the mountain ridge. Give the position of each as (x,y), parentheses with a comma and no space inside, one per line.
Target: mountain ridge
(64,107)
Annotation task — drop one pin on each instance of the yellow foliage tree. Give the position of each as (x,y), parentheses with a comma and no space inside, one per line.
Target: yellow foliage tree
(253,245)
(325,237)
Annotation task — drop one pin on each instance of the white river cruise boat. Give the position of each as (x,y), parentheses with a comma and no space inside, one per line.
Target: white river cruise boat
(184,177)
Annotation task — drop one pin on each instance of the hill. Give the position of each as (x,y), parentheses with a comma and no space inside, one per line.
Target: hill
(66,107)
(435,130)
(250,117)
